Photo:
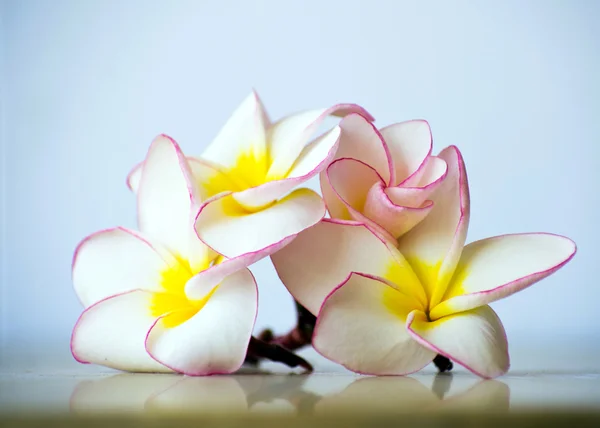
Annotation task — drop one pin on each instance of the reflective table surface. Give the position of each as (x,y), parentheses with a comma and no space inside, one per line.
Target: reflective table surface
(58,396)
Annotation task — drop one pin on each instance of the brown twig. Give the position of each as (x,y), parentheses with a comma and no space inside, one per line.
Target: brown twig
(259,349)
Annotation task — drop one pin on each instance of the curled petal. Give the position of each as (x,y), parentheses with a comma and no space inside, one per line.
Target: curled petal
(242,134)
(167,199)
(409,144)
(230,230)
(361,140)
(433,247)
(361,326)
(494,268)
(313,159)
(474,339)
(111,333)
(114,261)
(215,340)
(349,181)
(414,192)
(323,257)
(395,219)
(288,136)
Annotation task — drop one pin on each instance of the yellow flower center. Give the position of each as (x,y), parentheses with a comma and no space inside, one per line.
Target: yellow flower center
(172,303)
(250,170)
(422,291)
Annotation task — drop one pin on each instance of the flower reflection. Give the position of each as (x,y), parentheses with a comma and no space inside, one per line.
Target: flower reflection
(260,393)
(405,394)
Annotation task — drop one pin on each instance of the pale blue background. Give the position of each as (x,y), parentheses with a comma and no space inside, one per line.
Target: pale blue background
(86,85)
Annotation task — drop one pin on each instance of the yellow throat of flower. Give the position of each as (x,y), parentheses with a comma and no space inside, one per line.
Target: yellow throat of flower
(172,302)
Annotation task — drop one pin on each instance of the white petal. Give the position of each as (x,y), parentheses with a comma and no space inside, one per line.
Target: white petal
(362,141)
(134,177)
(168,199)
(409,144)
(323,257)
(112,333)
(433,247)
(350,181)
(228,229)
(361,325)
(474,339)
(395,219)
(494,268)
(288,136)
(243,134)
(313,159)
(421,186)
(215,340)
(114,261)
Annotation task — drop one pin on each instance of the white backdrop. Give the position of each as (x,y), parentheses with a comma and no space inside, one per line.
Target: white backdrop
(86,85)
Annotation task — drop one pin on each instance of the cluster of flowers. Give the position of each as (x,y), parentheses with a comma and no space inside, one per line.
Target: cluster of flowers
(387,274)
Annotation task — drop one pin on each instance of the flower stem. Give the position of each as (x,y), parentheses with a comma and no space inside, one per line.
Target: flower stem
(442,363)
(259,349)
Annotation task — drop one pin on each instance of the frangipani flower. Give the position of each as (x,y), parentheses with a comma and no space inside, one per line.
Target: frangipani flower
(383,178)
(248,171)
(147,309)
(400,307)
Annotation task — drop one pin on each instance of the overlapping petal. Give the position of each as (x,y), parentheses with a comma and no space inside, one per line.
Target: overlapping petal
(475,339)
(312,160)
(434,246)
(288,137)
(230,230)
(323,257)
(115,261)
(494,268)
(111,332)
(244,133)
(361,326)
(410,144)
(215,340)
(167,199)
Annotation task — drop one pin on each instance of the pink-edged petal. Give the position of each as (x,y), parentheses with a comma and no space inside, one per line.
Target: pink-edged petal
(203,282)
(288,137)
(313,159)
(134,177)
(349,181)
(474,339)
(433,247)
(409,144)
(362,327)
(494,268)
(432,172)
(215,340)
(361,140)
(168,199)
(230,230)
(322,257)
(395,219)
(114,261)
(420,187)
(112,332)
(242,135)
